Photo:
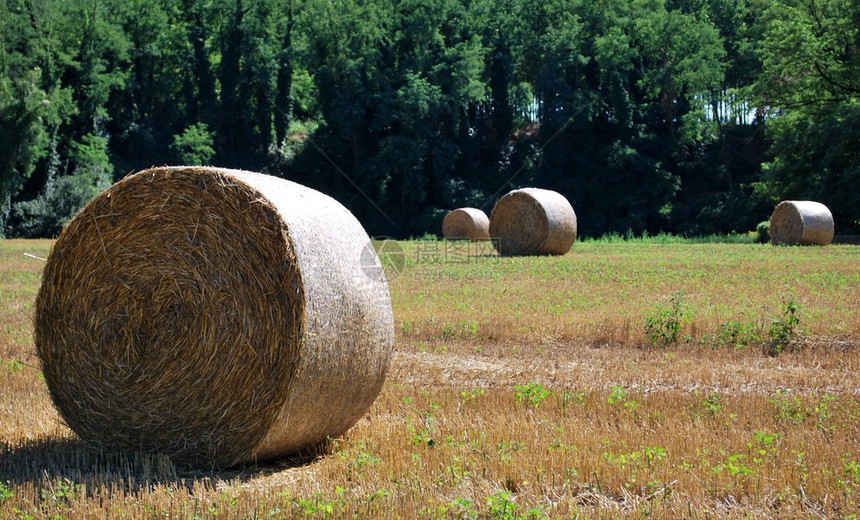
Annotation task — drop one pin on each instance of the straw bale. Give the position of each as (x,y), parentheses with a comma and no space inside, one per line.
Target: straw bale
(217,316)
(801,222)
(533,221)
(466,224)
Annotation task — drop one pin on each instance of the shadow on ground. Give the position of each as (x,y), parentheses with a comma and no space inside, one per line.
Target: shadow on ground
(42,461)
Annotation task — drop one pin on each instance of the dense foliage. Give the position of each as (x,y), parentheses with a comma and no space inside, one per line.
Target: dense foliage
(685,116)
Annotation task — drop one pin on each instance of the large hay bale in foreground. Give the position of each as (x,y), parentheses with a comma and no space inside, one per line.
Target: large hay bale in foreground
(533,221)
(218,316)
(466,224)
(801,222)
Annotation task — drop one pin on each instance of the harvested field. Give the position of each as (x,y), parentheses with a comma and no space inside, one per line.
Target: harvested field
(540,387)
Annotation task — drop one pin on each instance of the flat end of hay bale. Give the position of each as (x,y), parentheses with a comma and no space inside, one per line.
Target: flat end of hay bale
(466,224)
(801,222)
(533,221)
(181,312)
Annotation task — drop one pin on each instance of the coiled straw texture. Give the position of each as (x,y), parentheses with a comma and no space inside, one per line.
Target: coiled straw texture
(466,224)
(217,316)
(533,221)
(801,222)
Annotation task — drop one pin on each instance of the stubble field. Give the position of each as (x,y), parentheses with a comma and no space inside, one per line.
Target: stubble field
(622,380)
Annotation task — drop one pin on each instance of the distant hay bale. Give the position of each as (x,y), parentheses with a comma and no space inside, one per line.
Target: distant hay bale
(533,221)
(466,224)
(801,222)
(217,316)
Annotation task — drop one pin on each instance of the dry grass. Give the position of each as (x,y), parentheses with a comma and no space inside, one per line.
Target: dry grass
(516,393)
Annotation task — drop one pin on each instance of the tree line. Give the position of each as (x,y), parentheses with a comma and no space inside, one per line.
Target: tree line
(683,116)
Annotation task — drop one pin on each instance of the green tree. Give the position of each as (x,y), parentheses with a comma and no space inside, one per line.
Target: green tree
(62,197)
(33,103)
(101,66)
(395,83)
(152,104)
(811,84)
(620,88)
(23,139)
(194,145)
(403,109)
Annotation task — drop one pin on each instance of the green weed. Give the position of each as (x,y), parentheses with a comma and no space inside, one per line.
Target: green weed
(465,329)
(466,509)
(5,492)
(620,397)
(663,327)
(61,493)
(851,472)
(422,430)
(735,334)
(708,407)
(506,449)
(735,465)
(470,396)
(503,507)
(789,407)
(783,330)
(764,445)
(568,398)
(532,394)
(14,366)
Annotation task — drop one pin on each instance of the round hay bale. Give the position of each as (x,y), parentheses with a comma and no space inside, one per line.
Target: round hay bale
(801,222)
(218,316)
(533,221)
(466,224)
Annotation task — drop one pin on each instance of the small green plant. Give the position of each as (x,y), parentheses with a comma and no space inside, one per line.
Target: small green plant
(568,398)
(465,329)
(407,326)
(466,509)
(619,397)
(736,465)
(851,472)
(360,454)
(789,407)
(644,458)
(764,445)
(470,396)
(450,330)
(14,366)
(824,413)
(318,504)
(664,326)
(503,507)
(5,492)
(735,334)
(532,394)
(469,328)
(557,434)
(506,449)
(763,232)
(423,431)
(61,493)
(708,407)
(783,330)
